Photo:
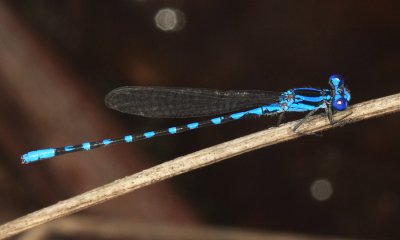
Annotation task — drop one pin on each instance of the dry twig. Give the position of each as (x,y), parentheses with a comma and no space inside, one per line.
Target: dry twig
(361,111)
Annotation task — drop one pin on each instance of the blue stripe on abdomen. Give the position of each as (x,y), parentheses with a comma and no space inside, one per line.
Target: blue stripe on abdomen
(172,130)
(217,120)
(149,134)
(193,125)
(86,146)
(238,115)
(128,138)
(256,111)
(38,154)
(68,148)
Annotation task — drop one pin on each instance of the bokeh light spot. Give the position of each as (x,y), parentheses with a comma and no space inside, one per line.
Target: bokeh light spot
(321,189)
(170,19)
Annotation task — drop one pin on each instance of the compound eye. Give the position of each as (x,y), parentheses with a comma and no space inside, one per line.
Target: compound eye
(340,104)
(336,80)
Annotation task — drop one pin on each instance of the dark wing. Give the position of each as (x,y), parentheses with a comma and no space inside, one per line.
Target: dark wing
(164,102)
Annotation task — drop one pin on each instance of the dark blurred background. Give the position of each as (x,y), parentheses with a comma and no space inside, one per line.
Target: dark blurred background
(58,59)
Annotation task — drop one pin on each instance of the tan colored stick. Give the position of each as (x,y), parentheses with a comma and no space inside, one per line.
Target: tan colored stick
(98,227)
(361,111)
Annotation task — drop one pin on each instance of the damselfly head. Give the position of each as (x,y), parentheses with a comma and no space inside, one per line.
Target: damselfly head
(341,95)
